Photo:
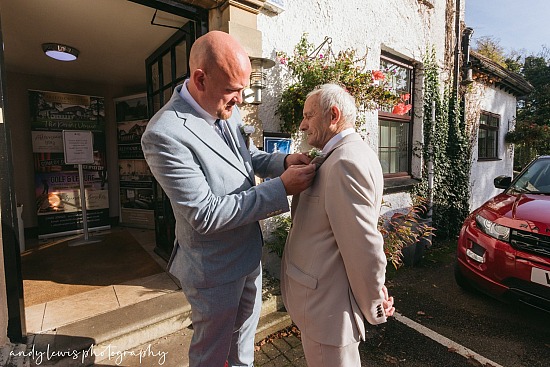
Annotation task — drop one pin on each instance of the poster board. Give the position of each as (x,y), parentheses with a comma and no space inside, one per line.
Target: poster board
(136,181)
(57,182)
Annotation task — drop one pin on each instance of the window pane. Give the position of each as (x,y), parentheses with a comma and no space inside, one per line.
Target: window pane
(393,148)
(487,141)
(483,119)
(493,121)
(166,69)
(399,76)
(181,60)
(384,137)
(167,95)
(491,144)
(399,79)
(384,157)
(155,75)
(482,143)
(156,102)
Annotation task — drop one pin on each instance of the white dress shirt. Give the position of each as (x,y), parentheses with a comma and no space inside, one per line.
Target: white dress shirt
(335,139)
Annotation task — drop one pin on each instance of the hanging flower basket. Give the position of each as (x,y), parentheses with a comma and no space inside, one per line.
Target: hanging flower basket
(310,66)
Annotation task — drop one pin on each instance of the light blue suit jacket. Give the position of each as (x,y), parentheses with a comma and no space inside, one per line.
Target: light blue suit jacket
(212,192)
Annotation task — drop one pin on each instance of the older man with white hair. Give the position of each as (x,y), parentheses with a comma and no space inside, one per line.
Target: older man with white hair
(333,268)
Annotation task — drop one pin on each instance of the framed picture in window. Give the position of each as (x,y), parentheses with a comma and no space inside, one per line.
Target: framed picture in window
(277,142)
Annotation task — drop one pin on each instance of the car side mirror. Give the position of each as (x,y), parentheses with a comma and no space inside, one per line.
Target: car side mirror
(502,182)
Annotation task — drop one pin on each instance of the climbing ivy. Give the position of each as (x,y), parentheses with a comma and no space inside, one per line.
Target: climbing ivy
(447,142)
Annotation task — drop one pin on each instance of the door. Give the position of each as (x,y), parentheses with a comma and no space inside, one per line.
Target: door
(167,67)
(11,259)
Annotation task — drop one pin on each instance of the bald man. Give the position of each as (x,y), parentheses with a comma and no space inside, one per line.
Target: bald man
(196,153)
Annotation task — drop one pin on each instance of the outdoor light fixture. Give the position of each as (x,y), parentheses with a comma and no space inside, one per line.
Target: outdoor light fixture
(60,52)
(257,79)
(467,73)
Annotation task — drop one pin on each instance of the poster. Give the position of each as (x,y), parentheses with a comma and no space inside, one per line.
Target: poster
(57,185)
(136,180)
(277,142)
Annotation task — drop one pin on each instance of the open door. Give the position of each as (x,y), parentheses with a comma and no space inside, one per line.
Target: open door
(167,67)
(9,232)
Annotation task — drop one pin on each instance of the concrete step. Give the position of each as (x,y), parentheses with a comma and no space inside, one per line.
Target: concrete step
(171,350)
(113,336)
(89,341)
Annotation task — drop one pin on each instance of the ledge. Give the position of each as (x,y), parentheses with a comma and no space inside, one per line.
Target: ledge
(401,184)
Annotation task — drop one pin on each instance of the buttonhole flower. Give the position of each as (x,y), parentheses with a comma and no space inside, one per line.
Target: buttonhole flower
(246,131)
(314,152)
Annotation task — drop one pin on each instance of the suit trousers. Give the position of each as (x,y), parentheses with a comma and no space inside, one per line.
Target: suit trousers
(224,321)
(322,355)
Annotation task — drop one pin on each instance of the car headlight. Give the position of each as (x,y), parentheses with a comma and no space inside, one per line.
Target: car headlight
(492,229)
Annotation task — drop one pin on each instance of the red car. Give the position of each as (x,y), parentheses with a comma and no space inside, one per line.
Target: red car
(504,245)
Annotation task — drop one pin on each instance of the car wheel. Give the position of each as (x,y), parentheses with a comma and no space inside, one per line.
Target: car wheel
(461,280)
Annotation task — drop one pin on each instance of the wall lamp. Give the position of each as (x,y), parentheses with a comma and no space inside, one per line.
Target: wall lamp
(253,95)
(60,52)
(467,73)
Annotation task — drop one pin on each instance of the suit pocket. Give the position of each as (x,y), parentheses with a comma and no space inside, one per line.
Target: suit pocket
(312,199)
(299,276)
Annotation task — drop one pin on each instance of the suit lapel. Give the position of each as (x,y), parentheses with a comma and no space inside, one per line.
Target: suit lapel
(244,153)
(210,138)
(204,132)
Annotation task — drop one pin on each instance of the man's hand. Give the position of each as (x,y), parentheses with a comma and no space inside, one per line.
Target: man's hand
(297,178)
(387,304)
(296,159)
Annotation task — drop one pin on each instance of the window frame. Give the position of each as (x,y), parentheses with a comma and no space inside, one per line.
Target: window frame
(487,128)
(407,118)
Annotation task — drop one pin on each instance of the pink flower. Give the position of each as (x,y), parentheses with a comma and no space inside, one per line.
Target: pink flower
(401,108)
(405,97)
(378,75)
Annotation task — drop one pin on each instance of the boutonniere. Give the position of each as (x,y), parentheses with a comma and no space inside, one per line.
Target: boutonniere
(314,152)
(246,131)
(317,157)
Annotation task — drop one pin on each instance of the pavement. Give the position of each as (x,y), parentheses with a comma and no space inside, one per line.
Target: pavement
(157,331)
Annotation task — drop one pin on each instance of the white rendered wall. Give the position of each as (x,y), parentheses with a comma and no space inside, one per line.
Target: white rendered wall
(404,28)
(499,102)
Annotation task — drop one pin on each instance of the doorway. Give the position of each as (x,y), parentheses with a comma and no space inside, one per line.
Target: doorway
(114,39)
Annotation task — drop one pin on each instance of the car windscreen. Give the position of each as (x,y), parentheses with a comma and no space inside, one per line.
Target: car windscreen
(535,179)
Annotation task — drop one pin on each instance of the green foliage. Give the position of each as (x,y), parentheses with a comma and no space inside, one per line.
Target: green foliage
(447,144)
(489,47)
(531,135)
(309,67)
(537,104)
(276,243)
(530,141)
(404,229)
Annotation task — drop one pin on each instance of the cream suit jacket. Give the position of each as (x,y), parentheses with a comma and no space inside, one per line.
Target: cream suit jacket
(333,266)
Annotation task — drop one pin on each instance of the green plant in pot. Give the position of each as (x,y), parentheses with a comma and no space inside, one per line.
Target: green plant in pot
(406,234)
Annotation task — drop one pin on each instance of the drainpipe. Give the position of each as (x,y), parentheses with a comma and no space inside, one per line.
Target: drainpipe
(458,38)
(431,169)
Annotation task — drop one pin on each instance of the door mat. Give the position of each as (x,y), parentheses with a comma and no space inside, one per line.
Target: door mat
(58,270)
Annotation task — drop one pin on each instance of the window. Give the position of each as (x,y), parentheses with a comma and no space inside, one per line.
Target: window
(487,137)
(394,131)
